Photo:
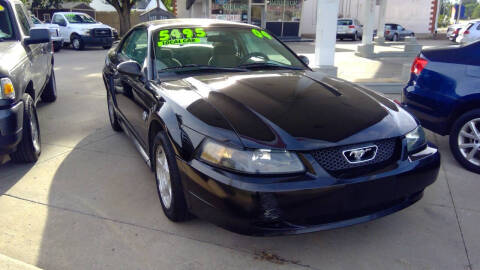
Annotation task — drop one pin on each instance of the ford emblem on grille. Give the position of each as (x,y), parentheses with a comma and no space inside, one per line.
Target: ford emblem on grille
(362,154)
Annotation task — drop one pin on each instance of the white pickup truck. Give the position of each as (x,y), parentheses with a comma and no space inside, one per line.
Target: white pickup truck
(80,30)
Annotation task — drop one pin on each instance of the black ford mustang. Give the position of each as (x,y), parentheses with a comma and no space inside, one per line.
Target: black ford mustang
(241,132)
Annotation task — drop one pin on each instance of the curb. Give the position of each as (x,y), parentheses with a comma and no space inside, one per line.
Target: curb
(8,263)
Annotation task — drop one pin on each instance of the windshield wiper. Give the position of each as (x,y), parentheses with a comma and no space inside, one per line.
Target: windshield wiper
(268,65)
(202,67)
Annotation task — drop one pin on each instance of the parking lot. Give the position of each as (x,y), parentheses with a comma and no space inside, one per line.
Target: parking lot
(91,203)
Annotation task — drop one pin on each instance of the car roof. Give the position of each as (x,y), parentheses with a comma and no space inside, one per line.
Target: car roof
(159,24)
(69,12)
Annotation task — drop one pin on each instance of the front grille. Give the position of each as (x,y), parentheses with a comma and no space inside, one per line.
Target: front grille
(102,32)
(333,160)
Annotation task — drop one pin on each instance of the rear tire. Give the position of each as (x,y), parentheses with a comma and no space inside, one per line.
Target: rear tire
(57,47)
(167,177)
(29,148)
(50,92)
(355,36)
(395,37)
(462,133)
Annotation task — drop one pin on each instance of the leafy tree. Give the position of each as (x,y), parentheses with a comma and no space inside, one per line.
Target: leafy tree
(123,8)
(476,13)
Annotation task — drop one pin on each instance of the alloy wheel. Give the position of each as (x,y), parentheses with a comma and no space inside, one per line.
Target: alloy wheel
(35,132)
(163,177)
(111,112)
(469,141)
(76,43)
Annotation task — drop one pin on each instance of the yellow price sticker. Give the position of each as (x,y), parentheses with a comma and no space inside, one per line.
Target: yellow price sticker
(2,8)
(180,36)
(261,34)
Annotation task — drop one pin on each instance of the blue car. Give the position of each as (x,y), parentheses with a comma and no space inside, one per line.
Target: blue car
(444,94)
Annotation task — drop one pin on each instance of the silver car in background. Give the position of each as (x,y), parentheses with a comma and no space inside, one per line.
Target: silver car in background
(54,32)
(349,28)
(470,33)
(454,30)
(396,32)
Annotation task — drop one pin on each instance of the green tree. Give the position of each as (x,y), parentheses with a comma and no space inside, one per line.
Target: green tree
(476,13)
(123,8)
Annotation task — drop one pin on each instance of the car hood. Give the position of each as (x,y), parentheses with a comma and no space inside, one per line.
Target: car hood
(11,53)
(295,110)
(90,25)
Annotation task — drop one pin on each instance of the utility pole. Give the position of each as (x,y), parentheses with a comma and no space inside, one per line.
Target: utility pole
(459,11)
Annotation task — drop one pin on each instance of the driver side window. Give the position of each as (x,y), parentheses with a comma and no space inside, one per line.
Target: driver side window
(135,46)
(57,19)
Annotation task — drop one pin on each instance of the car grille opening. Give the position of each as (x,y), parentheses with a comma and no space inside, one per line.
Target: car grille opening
(335,163)
(102,32)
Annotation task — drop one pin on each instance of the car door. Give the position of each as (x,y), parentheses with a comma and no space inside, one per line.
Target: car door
(36,53)
(60,20)
(133,99)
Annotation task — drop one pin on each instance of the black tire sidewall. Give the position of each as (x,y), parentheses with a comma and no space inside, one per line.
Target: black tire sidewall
(25,150)
(178,208)
(49,94)
(453,140)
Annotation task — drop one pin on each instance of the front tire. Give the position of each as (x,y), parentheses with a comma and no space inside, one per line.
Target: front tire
(50,92)
(29,148)
(112,114)
(77,43)
(465,140)
(167,176)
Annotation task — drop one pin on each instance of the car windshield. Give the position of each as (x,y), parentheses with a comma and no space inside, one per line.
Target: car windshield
(6,31)
(220,48)
(79,18)
(35,20)
(344,22)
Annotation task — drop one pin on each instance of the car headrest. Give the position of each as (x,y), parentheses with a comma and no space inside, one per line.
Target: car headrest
(224,49)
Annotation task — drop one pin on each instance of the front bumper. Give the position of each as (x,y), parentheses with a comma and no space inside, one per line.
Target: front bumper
(11,123)
(307,203)
(97,41)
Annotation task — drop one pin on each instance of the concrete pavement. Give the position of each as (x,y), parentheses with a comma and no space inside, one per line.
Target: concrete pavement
(91,203)
(360,69)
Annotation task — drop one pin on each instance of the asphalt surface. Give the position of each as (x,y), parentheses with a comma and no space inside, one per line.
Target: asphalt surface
(90,203)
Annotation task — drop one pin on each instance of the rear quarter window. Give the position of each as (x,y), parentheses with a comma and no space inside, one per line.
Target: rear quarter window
(6,30)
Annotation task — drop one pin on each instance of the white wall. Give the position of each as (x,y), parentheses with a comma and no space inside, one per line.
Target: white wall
(412,14)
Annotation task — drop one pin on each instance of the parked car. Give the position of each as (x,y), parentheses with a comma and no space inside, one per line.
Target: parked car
(444,93)
(453,31)
(239,131)
(26,75)
(396,32)
(54,33)
(470,33)
(349,28)
(80,30)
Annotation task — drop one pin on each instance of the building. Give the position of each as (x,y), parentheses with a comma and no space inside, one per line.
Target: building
(282,17)
(294,18)
(415,15)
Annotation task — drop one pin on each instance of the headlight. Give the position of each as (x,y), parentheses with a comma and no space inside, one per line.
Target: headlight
(87,32)
(416,140)
(263,161)
(7,91)
(53,32)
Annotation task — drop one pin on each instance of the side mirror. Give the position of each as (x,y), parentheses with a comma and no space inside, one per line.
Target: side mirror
(131,68)
(304,59)
(37,35)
